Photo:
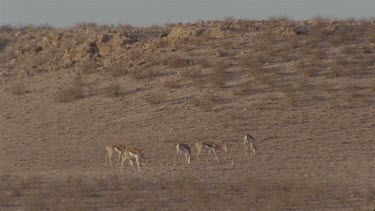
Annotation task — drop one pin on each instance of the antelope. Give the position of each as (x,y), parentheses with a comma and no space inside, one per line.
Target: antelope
(183,149)
(131,154)
(249,140)
(118,148)
(210,147)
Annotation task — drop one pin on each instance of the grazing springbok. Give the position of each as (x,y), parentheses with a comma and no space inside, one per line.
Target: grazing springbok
(249,140)
(110,149)
(131,154)
(211,147)
(183,149)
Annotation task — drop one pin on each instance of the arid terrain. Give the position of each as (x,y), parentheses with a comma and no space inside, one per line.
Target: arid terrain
(304,89)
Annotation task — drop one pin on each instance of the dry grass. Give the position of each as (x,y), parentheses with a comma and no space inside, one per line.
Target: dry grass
(34,202)
(370,195)
(172,83)
(176,61)
(290,95)
(218,75)
(204,62)
(118,70)
(77,187)
(76,193)
(206,103)
(112,90)
(156,99)
(196,76)
(69,94)
(244,88)
(144,74)
(87,67)
(341,37)
(18,88)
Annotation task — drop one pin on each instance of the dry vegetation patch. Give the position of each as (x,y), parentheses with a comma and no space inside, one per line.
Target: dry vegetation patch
(176,61)
(156,98)
(69,94)
(112,90)
(18,88)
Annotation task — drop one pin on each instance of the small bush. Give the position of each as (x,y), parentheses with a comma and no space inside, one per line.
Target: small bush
(144,74)
(69,94)
(370,35)
(244,88)
(156,99)
(118,70)
(205,104)
(370,195)
(4,198)
(18,88)
(204,62)
(34,201)
(290,95)
(172,84)
(87,67)
(176,61)
(78,188)
(218,75)
(195,75)
(112,90)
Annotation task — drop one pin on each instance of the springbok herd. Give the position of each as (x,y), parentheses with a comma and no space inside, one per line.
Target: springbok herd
(133,154)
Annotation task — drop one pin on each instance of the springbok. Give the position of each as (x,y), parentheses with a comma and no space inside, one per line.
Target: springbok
(211,147)
(249,140)
(131,154)
(183,149)
(110,149)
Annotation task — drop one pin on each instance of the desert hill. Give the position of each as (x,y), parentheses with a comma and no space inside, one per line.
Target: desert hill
(304,89)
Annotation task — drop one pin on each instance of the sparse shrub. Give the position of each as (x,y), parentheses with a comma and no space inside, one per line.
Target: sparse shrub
(176,61)
(372,86)
(195,75)
(34,202)
(335,71)
(30,182)
(18,88)
(5,177)
(144,74)
(354,94)
(87,67)
(172,84)
(156,99)
(187,188)
(192,74)
(315,36)
(341,37)
(69,94)
(4,198)
(370,195)
(205,104)
(244,88)
(118,70)
(310,71)
(218,75)
(290,94)
(112,90)
(76,187)
(370,35)
(204,62)
(349,50)
(3,43)
(253,63)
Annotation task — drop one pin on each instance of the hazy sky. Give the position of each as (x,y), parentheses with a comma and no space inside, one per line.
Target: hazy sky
(148,12)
